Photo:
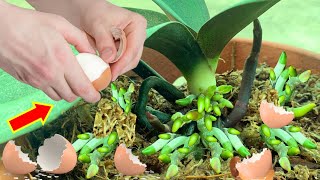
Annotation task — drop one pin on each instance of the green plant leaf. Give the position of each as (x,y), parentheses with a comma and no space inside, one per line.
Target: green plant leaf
(174,40)
(153,18)
(193,13)
(219,30)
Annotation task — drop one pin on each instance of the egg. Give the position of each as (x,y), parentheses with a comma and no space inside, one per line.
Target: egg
(57,155)
(259,166)
(15,161)
(119,35)
(127,163)
(274,116)
(98,71)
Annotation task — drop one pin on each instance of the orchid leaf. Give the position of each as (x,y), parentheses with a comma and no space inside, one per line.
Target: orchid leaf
(193,13)
(175,41)
(219,30)
(153,18)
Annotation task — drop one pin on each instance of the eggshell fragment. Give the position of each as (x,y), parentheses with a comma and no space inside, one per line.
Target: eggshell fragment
(15,161)
(127,163)
(118,34)
(57,155)
(259,166)
(6,175)
(98,71)
(232,166)
(274,116)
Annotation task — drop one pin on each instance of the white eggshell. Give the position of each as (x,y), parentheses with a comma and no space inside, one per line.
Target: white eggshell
(57,155)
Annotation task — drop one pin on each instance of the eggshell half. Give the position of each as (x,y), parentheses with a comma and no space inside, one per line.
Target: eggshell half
(6,175)
(274,116)
(256,167)
(127,163)
(57,155)
(98,71)
(118,34)
(15,161)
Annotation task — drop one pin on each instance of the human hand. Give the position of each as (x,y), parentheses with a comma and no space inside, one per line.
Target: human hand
(98,18)
(34,49)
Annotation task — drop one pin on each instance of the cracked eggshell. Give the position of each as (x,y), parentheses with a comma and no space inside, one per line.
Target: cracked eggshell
(259,166)
(57,155)
(127,163)
(15,161)
(119,35)
(274,116)
(98,71)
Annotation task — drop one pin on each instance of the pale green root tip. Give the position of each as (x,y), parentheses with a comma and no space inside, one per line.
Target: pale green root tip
(172,171)
(243,152)
(149,150)
(92,171)
(303,110)
(309,144)
(285,163)
(215,165)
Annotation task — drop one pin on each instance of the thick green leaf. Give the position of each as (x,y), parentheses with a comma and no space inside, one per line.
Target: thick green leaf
(193,13)
(154,18)
(175,41)
(219,30)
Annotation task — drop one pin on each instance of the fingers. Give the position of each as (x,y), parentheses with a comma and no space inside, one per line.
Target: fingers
(52,94)
(73,35)
(127,67)
(136,35)
(105,43)
(77,80)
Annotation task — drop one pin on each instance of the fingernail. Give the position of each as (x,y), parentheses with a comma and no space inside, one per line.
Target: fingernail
(107,55)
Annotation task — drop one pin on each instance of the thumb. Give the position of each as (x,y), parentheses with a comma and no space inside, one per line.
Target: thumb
(105,43)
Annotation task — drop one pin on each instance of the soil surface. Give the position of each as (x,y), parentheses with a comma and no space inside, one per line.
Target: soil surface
(81,119)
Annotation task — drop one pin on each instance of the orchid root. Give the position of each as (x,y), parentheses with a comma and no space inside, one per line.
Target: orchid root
(167,90)
(144,71)
(248,77)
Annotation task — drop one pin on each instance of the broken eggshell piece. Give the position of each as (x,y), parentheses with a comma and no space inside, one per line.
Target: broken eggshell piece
(57,155)
(274,116)
(127,163)
(119,35)
(98,71)
(15,161)
(259,166)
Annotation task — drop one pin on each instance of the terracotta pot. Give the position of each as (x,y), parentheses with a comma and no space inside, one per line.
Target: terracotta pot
(235,54)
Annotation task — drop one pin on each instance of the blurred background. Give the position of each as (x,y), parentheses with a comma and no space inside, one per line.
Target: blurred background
(292,22)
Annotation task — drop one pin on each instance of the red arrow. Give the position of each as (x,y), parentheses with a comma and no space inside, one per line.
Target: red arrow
(39,111)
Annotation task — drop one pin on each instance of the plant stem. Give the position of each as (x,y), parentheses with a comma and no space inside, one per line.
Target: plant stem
(248,77)
(167,90)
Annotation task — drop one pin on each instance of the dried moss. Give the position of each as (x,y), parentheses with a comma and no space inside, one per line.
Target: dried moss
(81,119)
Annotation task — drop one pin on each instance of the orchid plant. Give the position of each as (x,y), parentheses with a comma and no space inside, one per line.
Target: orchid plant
(193,43)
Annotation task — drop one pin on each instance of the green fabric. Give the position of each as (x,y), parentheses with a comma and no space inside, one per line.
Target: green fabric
(17,97)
